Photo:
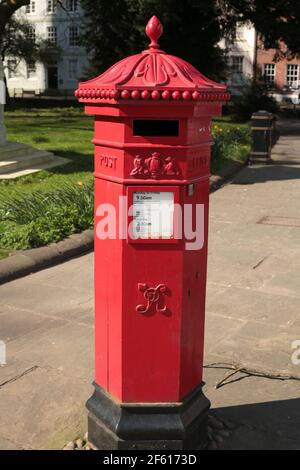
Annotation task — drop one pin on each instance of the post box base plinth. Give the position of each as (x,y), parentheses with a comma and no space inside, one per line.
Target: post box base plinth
(138,426)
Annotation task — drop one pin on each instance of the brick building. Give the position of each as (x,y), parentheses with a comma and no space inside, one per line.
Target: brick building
(247,59)
(279,73)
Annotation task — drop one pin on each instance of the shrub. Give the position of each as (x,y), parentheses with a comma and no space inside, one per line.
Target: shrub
(254,98)
(22,207)
(14,236)
(232,143)
(39,218)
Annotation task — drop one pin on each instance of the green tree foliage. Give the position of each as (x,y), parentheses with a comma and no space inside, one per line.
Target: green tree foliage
(276,20)
(15,36)
(115,29)
(254,97)
(17,41)
(7,9)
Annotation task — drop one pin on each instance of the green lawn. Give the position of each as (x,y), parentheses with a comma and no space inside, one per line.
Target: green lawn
(50,205)
(227,122)
(65,132)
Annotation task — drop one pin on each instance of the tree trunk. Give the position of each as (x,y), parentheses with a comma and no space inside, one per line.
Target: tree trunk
(7,9)
(2,102)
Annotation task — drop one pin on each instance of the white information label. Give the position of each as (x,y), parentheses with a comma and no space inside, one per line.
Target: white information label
(153,215)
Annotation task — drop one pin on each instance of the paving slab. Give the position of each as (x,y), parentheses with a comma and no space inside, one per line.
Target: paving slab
(8,445)
(264,413)
(257,305)
(17,323)
(43,409)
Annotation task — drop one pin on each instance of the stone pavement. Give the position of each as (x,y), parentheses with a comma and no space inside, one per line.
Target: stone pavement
(253,316)
(46,320)
(253,299)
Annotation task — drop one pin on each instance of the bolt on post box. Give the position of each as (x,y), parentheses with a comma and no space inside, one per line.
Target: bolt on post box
(152,141)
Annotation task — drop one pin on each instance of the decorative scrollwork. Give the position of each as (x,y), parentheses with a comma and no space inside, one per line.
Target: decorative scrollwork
(152,75)
(153,297)
(155,167)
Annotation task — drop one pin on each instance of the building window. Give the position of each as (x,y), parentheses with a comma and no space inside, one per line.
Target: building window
(31,33)
(30,8)
(73,69)
(72,5)
(73,35)
(52,34)
(269,73)
(292,75)
(237,63)
(239,33)
(51,6)
(11,68)
(31,69)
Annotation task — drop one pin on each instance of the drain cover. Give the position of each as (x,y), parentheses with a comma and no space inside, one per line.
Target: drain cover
(283,221)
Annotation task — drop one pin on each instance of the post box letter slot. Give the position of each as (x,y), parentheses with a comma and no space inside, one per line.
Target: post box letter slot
(155,128)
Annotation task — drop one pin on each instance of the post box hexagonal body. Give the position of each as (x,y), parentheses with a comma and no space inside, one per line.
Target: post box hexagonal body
(152,147)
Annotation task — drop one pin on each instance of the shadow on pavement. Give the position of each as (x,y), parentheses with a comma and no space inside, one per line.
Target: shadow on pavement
(285,156)
(271,425)
(289,127)
(279,171)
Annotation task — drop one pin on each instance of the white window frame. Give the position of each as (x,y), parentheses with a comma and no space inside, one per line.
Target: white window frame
(12,74)
(73,5)
(269,73)
(31,70)
(31,33)
(238,67)
(52,34)
(51,6)
(73,38)
(239,33)
(292,75)
(31,8)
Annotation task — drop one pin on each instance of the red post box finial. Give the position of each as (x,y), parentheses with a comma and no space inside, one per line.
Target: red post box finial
(154,30)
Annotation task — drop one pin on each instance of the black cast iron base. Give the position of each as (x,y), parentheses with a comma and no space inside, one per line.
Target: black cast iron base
(169,426)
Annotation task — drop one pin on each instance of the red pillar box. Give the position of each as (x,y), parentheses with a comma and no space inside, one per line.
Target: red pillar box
(152,163)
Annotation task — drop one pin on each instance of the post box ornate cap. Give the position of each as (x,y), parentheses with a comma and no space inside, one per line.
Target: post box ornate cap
(152,75)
